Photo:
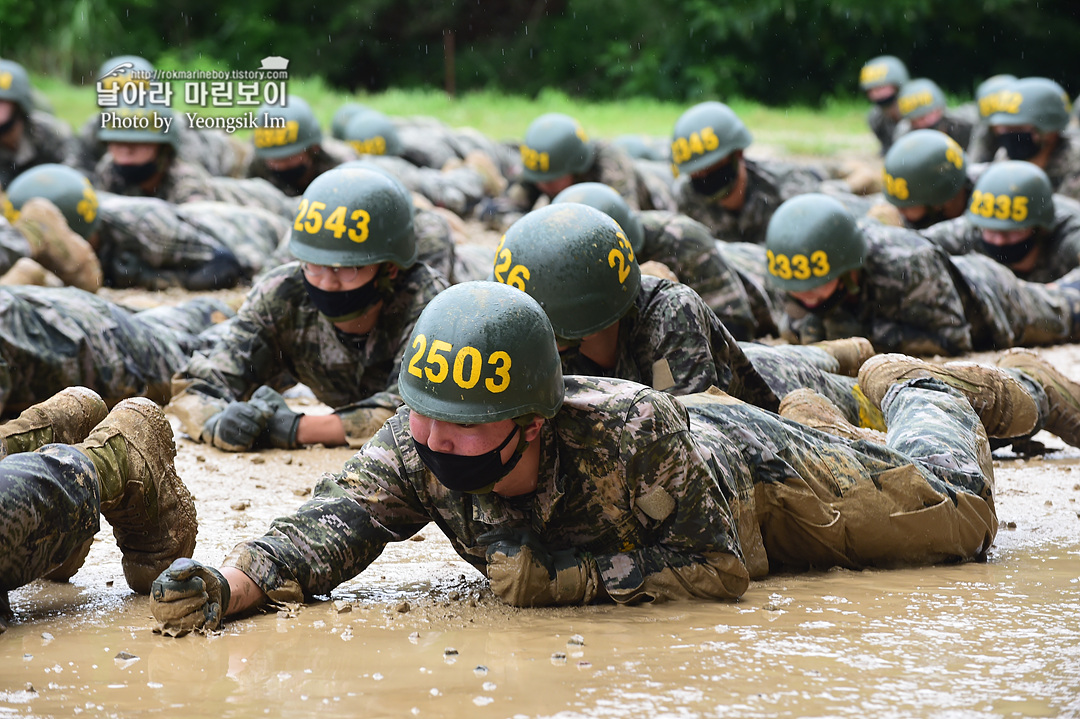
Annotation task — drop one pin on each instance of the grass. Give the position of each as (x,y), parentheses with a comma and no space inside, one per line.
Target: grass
(837,128)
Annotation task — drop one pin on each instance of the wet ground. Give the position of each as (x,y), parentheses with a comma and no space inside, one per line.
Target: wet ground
(419,634)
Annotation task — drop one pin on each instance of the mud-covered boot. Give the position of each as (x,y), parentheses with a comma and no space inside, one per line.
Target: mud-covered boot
(1004,406)
(28,272)
(850,353)
(66,417)
(812,409)
(1062,393)
(56,247)
(149,508)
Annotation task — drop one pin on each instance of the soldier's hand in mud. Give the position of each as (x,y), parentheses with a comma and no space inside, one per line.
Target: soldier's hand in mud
(361,424)
(189,596)
(523,573)
(282,422)
(235,428)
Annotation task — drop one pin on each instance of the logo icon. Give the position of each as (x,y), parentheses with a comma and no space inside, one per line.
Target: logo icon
(274,62)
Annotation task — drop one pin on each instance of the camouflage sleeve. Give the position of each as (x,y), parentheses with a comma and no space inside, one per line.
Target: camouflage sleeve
(434,243)
(957,236)
(342,529)
(615,168)
(693,548)
(13,245)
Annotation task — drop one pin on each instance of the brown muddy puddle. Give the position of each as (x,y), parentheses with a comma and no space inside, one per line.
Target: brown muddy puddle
(418,634)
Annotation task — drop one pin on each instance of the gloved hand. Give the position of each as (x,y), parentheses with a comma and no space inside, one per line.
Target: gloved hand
(281,421)
(362,424)
(189,596)
(235,428)
(524,574)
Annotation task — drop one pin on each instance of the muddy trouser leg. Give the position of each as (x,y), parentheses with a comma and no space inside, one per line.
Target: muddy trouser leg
(1039,395)
(821,501)
(49,508)
(789,367)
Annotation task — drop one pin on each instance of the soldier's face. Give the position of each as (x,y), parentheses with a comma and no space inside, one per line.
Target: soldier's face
(554,187)
(876,94)
(813,298)
(468,440)
(341,279)
(7,109)
(928,121)
(913,214)
(1000,238)
(133,153)
(280,164)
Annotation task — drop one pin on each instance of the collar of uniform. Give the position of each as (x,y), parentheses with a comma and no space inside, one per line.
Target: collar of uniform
(494,510)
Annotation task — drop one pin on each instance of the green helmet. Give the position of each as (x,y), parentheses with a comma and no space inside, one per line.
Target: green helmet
(287,130)
(351,217)
(372,133)
(1034,101)
(15,85)
(920,97)
(882,70)
(991,86)
(1012,195)
(576,262)
(607,200)
(812,239)
(341,118)
(117,71)
(706,134)
(65,187)
(481,352)
(139,122)
(555,145)
(924,167)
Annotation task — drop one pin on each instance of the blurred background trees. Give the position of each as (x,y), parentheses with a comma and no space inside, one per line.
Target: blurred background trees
(774,51)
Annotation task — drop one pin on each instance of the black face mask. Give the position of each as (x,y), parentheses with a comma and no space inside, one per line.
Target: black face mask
(137,174)
(1020,145)
(344,305)
(5,128)
(719,183)
(886,101)
(1009,254)
(932,216)
(469,474)
(291,176)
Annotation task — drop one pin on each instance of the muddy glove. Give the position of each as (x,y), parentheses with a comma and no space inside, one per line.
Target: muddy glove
(235,428)
(524,574)
(362,424)
(189,596)
(282,422)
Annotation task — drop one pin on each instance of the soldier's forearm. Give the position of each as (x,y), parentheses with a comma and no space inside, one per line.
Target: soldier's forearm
(245,593)
(321,429)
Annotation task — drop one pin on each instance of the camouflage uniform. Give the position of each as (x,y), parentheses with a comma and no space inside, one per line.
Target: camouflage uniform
(278,338)
(750,262)
(157,243)
(1063,166)
(458,190)
(184,182)
(883,127)
(664,498)
(327,155)
(912,297)
(215,151)
(13,245)
(958,123)
(52,338)
(1059,247)
(44,139)
(687,248)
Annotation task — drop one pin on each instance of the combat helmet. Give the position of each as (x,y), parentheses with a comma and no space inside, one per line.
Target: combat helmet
(920,97)
(555,145)
(65,187)
(140,122)
(924,167)
(351,217)
(1036,101)
(811,240)
(118,71)
(989,87)
(576,262)
(285,130)
(15,85)
(1012,195)
(342,116)
(883,70)
(372,133)
(706,134)
(481,352)
(607,200)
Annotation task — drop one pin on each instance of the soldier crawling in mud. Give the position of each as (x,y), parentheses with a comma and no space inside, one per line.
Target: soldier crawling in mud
(569,491)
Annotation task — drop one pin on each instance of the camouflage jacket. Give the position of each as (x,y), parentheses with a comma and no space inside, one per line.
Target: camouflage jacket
(13,245)
(958,123)
(671,341)
(329,154)
(768,184)
(44,139)
(883,127)
(906,300)
(458,190)
(1063,167)
(52,338)
(216,151)
(167,241)
(184,182)
(278,338)
(627,477)
(1059,246)
(687,248)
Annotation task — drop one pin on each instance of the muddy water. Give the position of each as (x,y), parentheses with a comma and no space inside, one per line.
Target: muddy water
(419,634)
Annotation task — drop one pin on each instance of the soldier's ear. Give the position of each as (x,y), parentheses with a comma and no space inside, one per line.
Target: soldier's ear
(532,429)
